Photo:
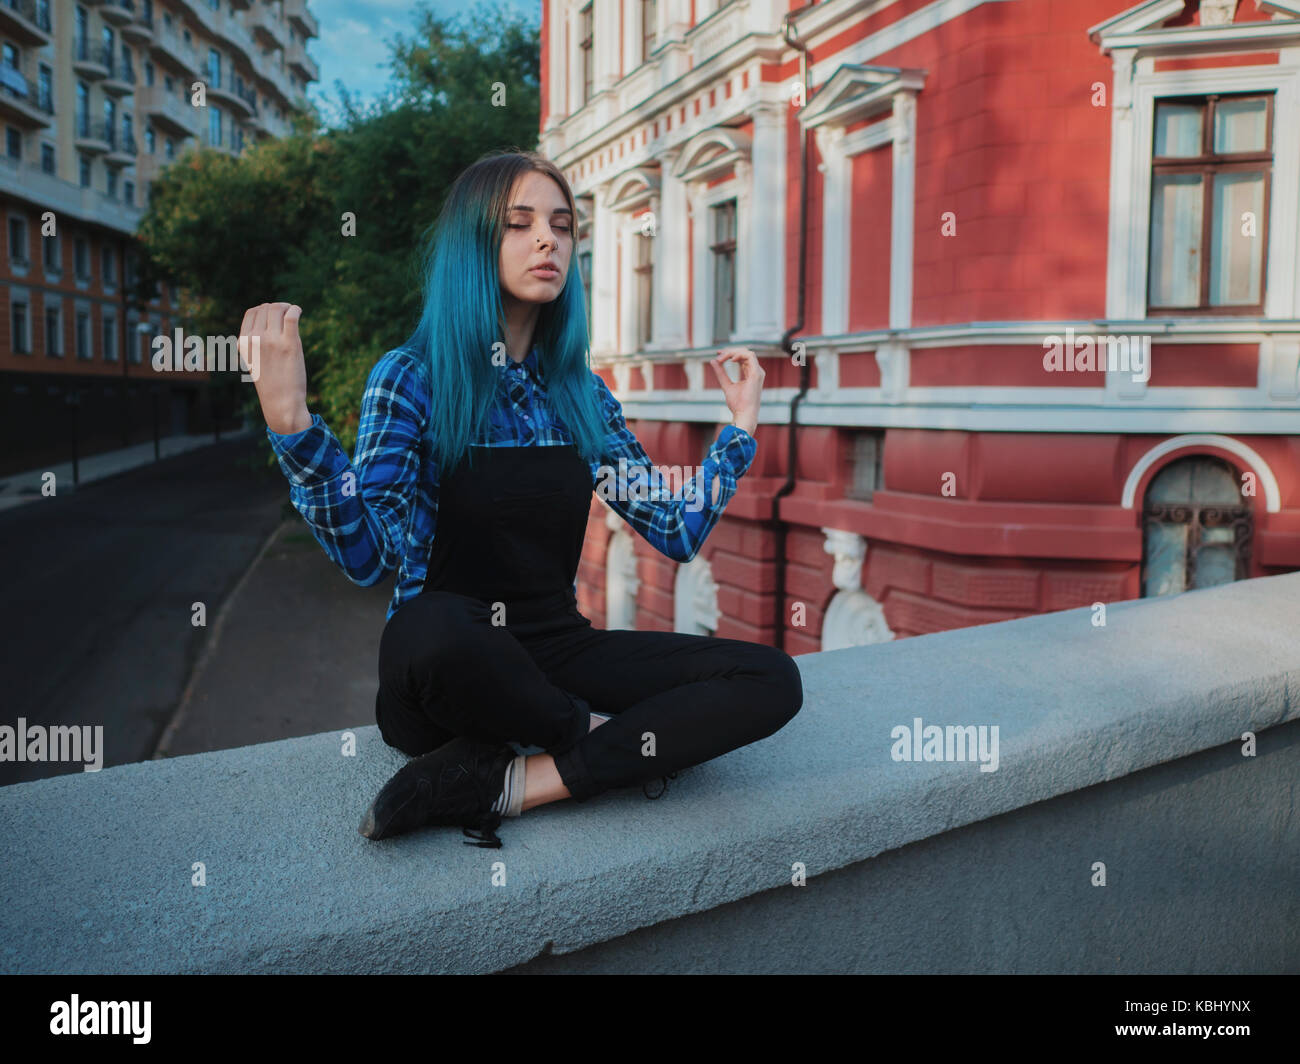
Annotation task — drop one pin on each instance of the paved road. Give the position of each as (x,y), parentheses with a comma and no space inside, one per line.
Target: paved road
(96,604)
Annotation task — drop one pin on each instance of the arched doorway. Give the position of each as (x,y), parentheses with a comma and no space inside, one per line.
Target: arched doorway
(1196,527)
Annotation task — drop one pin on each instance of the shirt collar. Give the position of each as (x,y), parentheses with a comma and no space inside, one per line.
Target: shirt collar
(531,366)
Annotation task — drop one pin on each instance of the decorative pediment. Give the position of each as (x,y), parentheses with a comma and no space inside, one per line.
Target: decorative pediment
(1144,28)
(857,91)
(633,188)
(712,152)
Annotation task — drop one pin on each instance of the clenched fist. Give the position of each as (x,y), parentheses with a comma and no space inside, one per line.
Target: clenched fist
(282,378)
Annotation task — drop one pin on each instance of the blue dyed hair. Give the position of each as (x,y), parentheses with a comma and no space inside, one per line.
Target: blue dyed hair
(463,316)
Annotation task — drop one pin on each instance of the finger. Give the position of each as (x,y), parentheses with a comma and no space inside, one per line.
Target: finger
(248,321)
(291,317)
(259,320)
(275,317)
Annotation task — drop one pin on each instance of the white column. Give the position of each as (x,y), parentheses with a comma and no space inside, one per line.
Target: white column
(674,19)
(628,230)
(557,90)
(605,45)
(748,241)
(903,211)
(1122,300)
(604,251)
(700,302)
(631,43)
(837,221)
(671,297)
(762,254)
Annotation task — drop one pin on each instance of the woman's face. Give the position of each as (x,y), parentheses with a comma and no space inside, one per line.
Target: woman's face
(539,228)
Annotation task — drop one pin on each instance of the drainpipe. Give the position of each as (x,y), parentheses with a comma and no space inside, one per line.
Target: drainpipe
(779,526)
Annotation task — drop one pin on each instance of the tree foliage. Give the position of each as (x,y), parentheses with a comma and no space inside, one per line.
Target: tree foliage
(269,225)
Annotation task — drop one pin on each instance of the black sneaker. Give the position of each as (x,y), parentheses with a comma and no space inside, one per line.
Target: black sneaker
(455,786)
(646,787)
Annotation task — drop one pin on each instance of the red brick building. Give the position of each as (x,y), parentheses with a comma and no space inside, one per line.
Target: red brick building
(1049,308)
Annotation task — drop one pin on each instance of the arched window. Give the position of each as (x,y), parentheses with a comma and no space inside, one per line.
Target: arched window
(1196,527)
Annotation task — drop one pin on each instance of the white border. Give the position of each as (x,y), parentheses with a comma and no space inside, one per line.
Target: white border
(1272,497)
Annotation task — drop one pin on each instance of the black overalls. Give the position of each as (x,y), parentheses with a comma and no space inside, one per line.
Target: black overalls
(510,530)
(495,647)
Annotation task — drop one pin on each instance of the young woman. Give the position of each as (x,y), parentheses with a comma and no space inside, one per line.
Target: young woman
(490,425)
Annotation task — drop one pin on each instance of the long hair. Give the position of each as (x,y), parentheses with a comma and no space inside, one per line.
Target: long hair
(464,319)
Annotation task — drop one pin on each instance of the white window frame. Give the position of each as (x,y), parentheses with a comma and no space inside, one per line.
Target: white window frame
(108,327)
(52,302)
(24,296)
(78,309)
(1132,127)
(852,94)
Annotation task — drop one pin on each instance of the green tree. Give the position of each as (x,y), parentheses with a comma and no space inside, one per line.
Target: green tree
(270,225)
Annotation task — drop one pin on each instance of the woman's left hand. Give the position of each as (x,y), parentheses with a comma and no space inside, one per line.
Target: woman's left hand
(744,395)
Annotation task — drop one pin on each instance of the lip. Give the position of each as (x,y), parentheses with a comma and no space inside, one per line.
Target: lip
(546,271)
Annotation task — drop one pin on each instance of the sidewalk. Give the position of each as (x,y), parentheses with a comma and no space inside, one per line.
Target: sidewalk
(18,489)
(293,651)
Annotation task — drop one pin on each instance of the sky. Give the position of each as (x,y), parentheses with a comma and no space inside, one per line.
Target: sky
(352,46)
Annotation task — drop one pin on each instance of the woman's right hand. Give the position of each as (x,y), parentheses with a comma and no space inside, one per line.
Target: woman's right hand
(281,369)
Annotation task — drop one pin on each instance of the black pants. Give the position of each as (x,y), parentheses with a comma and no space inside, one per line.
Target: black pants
(674,699)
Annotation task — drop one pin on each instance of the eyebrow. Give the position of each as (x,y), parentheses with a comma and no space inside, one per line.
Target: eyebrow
(523,207)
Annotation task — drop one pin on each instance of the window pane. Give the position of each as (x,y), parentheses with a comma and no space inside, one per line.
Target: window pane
(1178,129)
(1240,125)
(1237,238)
(1166,559)
(1216,563)
(1176,202)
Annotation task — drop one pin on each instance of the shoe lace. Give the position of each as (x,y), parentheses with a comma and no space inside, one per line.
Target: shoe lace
(662,790)
(486,835)
(482,829)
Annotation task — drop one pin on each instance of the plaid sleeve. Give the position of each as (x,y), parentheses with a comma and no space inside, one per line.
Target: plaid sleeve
(676,523)
(358,510)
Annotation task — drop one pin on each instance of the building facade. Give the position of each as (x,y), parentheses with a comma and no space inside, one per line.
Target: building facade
(1046,349)
(96,98)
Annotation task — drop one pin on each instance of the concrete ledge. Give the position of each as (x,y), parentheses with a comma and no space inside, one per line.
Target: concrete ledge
(97,873)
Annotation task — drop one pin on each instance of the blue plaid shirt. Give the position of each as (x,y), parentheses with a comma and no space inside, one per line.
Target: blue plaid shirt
(378,512)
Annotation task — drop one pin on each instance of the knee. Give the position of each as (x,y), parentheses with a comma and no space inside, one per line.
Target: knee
(782,685)
(433,625)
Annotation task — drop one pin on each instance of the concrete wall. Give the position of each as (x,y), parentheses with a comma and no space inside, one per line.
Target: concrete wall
(1117,744)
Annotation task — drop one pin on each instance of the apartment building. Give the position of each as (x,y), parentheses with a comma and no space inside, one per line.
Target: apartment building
(97,97)
(1035,291)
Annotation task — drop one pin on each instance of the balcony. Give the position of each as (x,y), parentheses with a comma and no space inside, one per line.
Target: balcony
(117,12)
(268,31)
(225,27)
(93,137)
(232,94)
(121,150)
(301,63)
(121,78)
(19,100)
(140,29)
(21,20)
(171,49)
(304,21)
(91,59)
(168,113)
